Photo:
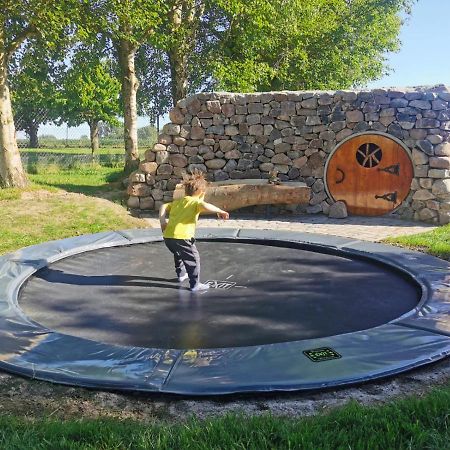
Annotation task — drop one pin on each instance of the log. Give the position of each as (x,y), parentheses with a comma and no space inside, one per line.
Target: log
(234,194)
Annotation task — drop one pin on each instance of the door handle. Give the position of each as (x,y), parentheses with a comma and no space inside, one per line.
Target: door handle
(342,177)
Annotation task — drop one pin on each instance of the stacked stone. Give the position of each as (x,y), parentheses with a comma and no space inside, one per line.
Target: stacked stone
(235,136)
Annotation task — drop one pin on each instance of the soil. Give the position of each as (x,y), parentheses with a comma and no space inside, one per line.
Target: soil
(33,399)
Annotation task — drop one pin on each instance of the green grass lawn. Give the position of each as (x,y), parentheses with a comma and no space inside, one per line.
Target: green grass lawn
(46,211)
(436,242)
(50,209)
(407,424)
(33,220)
(86,179)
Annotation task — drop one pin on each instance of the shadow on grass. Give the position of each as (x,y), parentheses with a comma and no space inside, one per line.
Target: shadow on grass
(101,181)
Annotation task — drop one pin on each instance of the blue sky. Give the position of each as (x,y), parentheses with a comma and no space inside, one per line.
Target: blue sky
(424,57)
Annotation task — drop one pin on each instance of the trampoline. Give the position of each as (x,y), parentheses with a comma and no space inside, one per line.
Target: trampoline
(285,311)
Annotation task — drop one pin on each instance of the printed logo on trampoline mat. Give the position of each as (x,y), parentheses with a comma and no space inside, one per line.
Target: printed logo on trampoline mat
(218,284)
(321,354)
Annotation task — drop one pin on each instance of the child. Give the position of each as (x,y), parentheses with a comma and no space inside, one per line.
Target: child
(179,231)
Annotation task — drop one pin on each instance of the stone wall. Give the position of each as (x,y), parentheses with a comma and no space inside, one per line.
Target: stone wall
(233,136)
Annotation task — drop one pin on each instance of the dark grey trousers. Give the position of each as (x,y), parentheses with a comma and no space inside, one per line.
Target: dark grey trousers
(186,258)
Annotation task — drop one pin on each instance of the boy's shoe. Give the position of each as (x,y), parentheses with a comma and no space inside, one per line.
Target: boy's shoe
(200,287)
(183,277)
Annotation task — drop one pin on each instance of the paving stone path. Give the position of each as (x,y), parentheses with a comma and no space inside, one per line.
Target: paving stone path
(365,228)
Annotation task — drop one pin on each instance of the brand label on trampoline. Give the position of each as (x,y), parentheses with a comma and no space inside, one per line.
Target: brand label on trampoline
(321,354)
(217,284)
(223,284)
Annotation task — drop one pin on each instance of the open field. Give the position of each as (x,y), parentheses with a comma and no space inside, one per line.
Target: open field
(405,412)
(75,150)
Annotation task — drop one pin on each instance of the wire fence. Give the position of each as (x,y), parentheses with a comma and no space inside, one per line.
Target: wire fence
(34,162)
(82,142)
(67,147)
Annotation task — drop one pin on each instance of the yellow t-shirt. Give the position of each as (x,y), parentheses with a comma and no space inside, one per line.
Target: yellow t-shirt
(183,215)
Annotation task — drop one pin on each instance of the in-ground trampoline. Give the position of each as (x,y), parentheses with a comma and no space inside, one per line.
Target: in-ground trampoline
(286,311)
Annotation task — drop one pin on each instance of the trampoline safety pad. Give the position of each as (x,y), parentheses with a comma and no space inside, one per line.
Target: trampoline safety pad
(285,311)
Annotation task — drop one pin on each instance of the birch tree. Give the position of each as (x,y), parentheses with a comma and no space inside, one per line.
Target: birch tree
(127,24)
(22,21)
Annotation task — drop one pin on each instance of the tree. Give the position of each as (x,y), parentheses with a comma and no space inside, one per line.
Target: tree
(154,98)
(148,134)
(127,24)
(249,45)
(33,91)
(21,21)
(89,94)
(318,44)
(184,20)
(112,133)
(109,131)
(198,33)
(189,31)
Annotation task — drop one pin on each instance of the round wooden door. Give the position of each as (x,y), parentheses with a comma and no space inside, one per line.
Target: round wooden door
(371,173)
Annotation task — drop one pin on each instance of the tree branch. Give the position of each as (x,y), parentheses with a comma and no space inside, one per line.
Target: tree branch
(26,33)
(147,34)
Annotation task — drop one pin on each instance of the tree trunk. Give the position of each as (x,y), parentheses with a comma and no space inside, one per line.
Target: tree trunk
(231,195)
(11,169)
(185,17)
(32,131)
(130,86)
(93,127)
(178,74)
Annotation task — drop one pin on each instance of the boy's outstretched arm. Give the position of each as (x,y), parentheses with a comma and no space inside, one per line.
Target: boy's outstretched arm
(163,215)
(208,207)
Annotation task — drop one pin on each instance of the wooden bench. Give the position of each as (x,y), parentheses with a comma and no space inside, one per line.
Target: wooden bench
(234,194)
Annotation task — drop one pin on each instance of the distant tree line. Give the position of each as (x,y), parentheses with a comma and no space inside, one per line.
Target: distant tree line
(86,61)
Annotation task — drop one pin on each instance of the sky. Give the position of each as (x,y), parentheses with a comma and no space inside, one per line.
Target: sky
(424,57)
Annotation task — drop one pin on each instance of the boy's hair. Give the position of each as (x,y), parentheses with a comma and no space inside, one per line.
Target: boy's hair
(194,183)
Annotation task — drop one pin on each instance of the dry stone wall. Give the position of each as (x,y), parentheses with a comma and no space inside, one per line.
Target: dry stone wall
(234,136)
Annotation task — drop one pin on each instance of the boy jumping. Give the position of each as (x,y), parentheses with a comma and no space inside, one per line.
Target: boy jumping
(179,230)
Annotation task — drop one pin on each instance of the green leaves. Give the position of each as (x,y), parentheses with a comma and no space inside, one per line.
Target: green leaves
(44,19)
(243,76)
(131,20)
(237,45)
(89,92)
(315,44)
(249,45)
(33,87)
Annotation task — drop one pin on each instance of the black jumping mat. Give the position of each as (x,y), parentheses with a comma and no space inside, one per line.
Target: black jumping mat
(260,294)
